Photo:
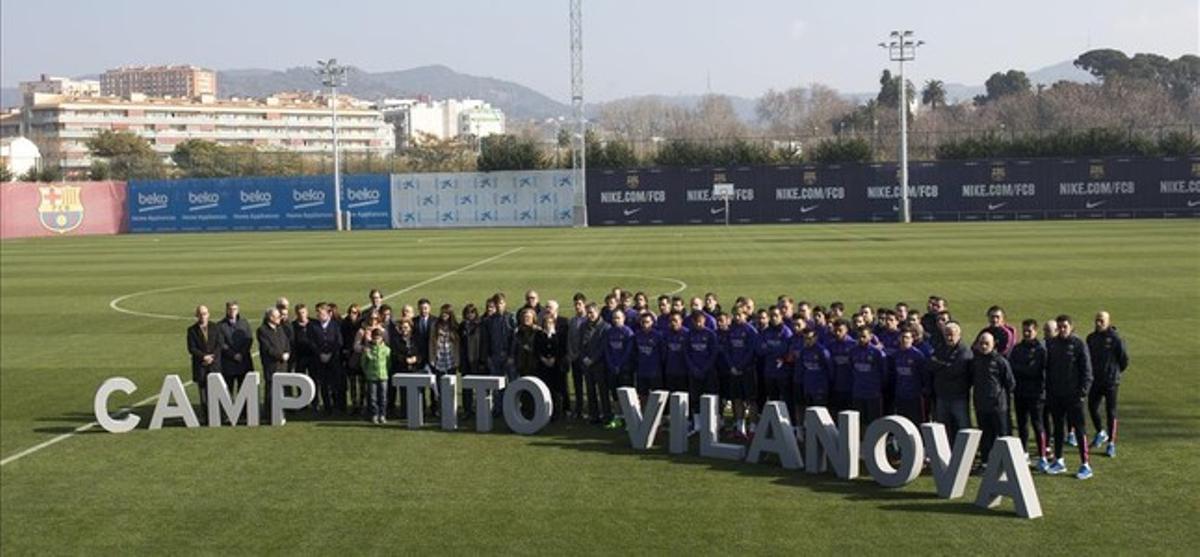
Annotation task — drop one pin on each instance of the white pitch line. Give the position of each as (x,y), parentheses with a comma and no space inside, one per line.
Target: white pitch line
(454,272)
(114,303)
(79,429)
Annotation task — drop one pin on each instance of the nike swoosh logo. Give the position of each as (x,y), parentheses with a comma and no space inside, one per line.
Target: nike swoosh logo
(1193,203)
(807,209)
(717,211)
(630,212)
(993,207)
(1094,204)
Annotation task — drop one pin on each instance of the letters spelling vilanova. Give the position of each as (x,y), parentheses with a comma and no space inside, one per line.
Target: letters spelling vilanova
(826,444)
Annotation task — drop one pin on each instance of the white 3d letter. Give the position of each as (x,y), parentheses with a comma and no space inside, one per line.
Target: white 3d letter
(1008,476)
(774,434)
(173,392)
(543,407)
(484,387)
(710,446)
(837,445)
(912,453)
(281,402)
(246,400)
(449,392)
(950,470)
(642,424)
(410,385)
(100,406)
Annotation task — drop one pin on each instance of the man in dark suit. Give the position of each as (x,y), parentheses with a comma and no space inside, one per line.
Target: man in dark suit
(422,327)
(204,345)
(274,350)
(236,340)
(325,340)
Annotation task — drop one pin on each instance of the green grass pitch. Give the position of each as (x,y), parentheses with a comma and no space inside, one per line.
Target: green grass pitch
(348,487)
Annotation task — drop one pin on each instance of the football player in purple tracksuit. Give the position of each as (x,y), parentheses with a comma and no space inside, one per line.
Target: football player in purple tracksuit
(702,347)
(648,355)
(870,368)
(907,379)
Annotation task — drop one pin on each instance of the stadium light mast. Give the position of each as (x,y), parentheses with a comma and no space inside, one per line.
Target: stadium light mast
(332,76)
(902,48)
(578,139)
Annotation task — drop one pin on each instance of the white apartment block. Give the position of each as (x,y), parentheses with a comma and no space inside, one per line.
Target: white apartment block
(61,86)
(60,125)
(441,119)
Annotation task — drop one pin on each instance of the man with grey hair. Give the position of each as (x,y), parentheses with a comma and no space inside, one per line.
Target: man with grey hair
(274,350)
(949,367)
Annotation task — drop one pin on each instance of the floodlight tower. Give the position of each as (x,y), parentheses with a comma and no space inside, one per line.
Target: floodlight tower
(902,48)
(579,138)
(333,76)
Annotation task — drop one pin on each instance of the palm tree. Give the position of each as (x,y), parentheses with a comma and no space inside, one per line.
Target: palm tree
(934,94)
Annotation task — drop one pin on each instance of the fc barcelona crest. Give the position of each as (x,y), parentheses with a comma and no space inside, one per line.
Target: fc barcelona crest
(810,177)
(61,208)
(631,181)
(999,174)
(1196,170)
(1096,171)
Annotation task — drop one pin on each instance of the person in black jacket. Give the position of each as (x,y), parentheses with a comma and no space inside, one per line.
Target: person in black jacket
(422,326)
(949,367)
(236,340)
(1068,378)
(301,361)
(496,338)
(551,348)
(1109,360)
(591,346)
(992,383)
(274,350)
(325,340)
(204,345)
(1028,361)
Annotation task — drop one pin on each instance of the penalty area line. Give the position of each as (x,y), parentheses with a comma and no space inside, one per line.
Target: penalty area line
(77,430)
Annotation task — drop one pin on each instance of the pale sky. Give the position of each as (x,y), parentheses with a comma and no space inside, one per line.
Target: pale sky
(631,47)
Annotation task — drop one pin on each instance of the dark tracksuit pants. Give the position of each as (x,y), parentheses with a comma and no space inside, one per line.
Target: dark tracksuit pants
(578,374)
(994,423)
(1109,394)
(1030,410)
(869,410)
(698,387)
(1068,411)
(911,408)
(599,403)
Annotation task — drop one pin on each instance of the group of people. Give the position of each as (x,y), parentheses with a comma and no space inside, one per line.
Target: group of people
(878,361)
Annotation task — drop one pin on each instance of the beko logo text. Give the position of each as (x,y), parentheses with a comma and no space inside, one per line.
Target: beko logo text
(152,199)
(202,197)
(362,194)
(257,196)
(305,195)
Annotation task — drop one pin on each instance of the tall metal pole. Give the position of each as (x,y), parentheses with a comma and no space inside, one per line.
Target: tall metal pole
(578,139)
(901,48)
(905,215)
(337,165)
(332,75)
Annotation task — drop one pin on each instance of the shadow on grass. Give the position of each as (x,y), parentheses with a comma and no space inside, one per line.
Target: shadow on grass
(578,436)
